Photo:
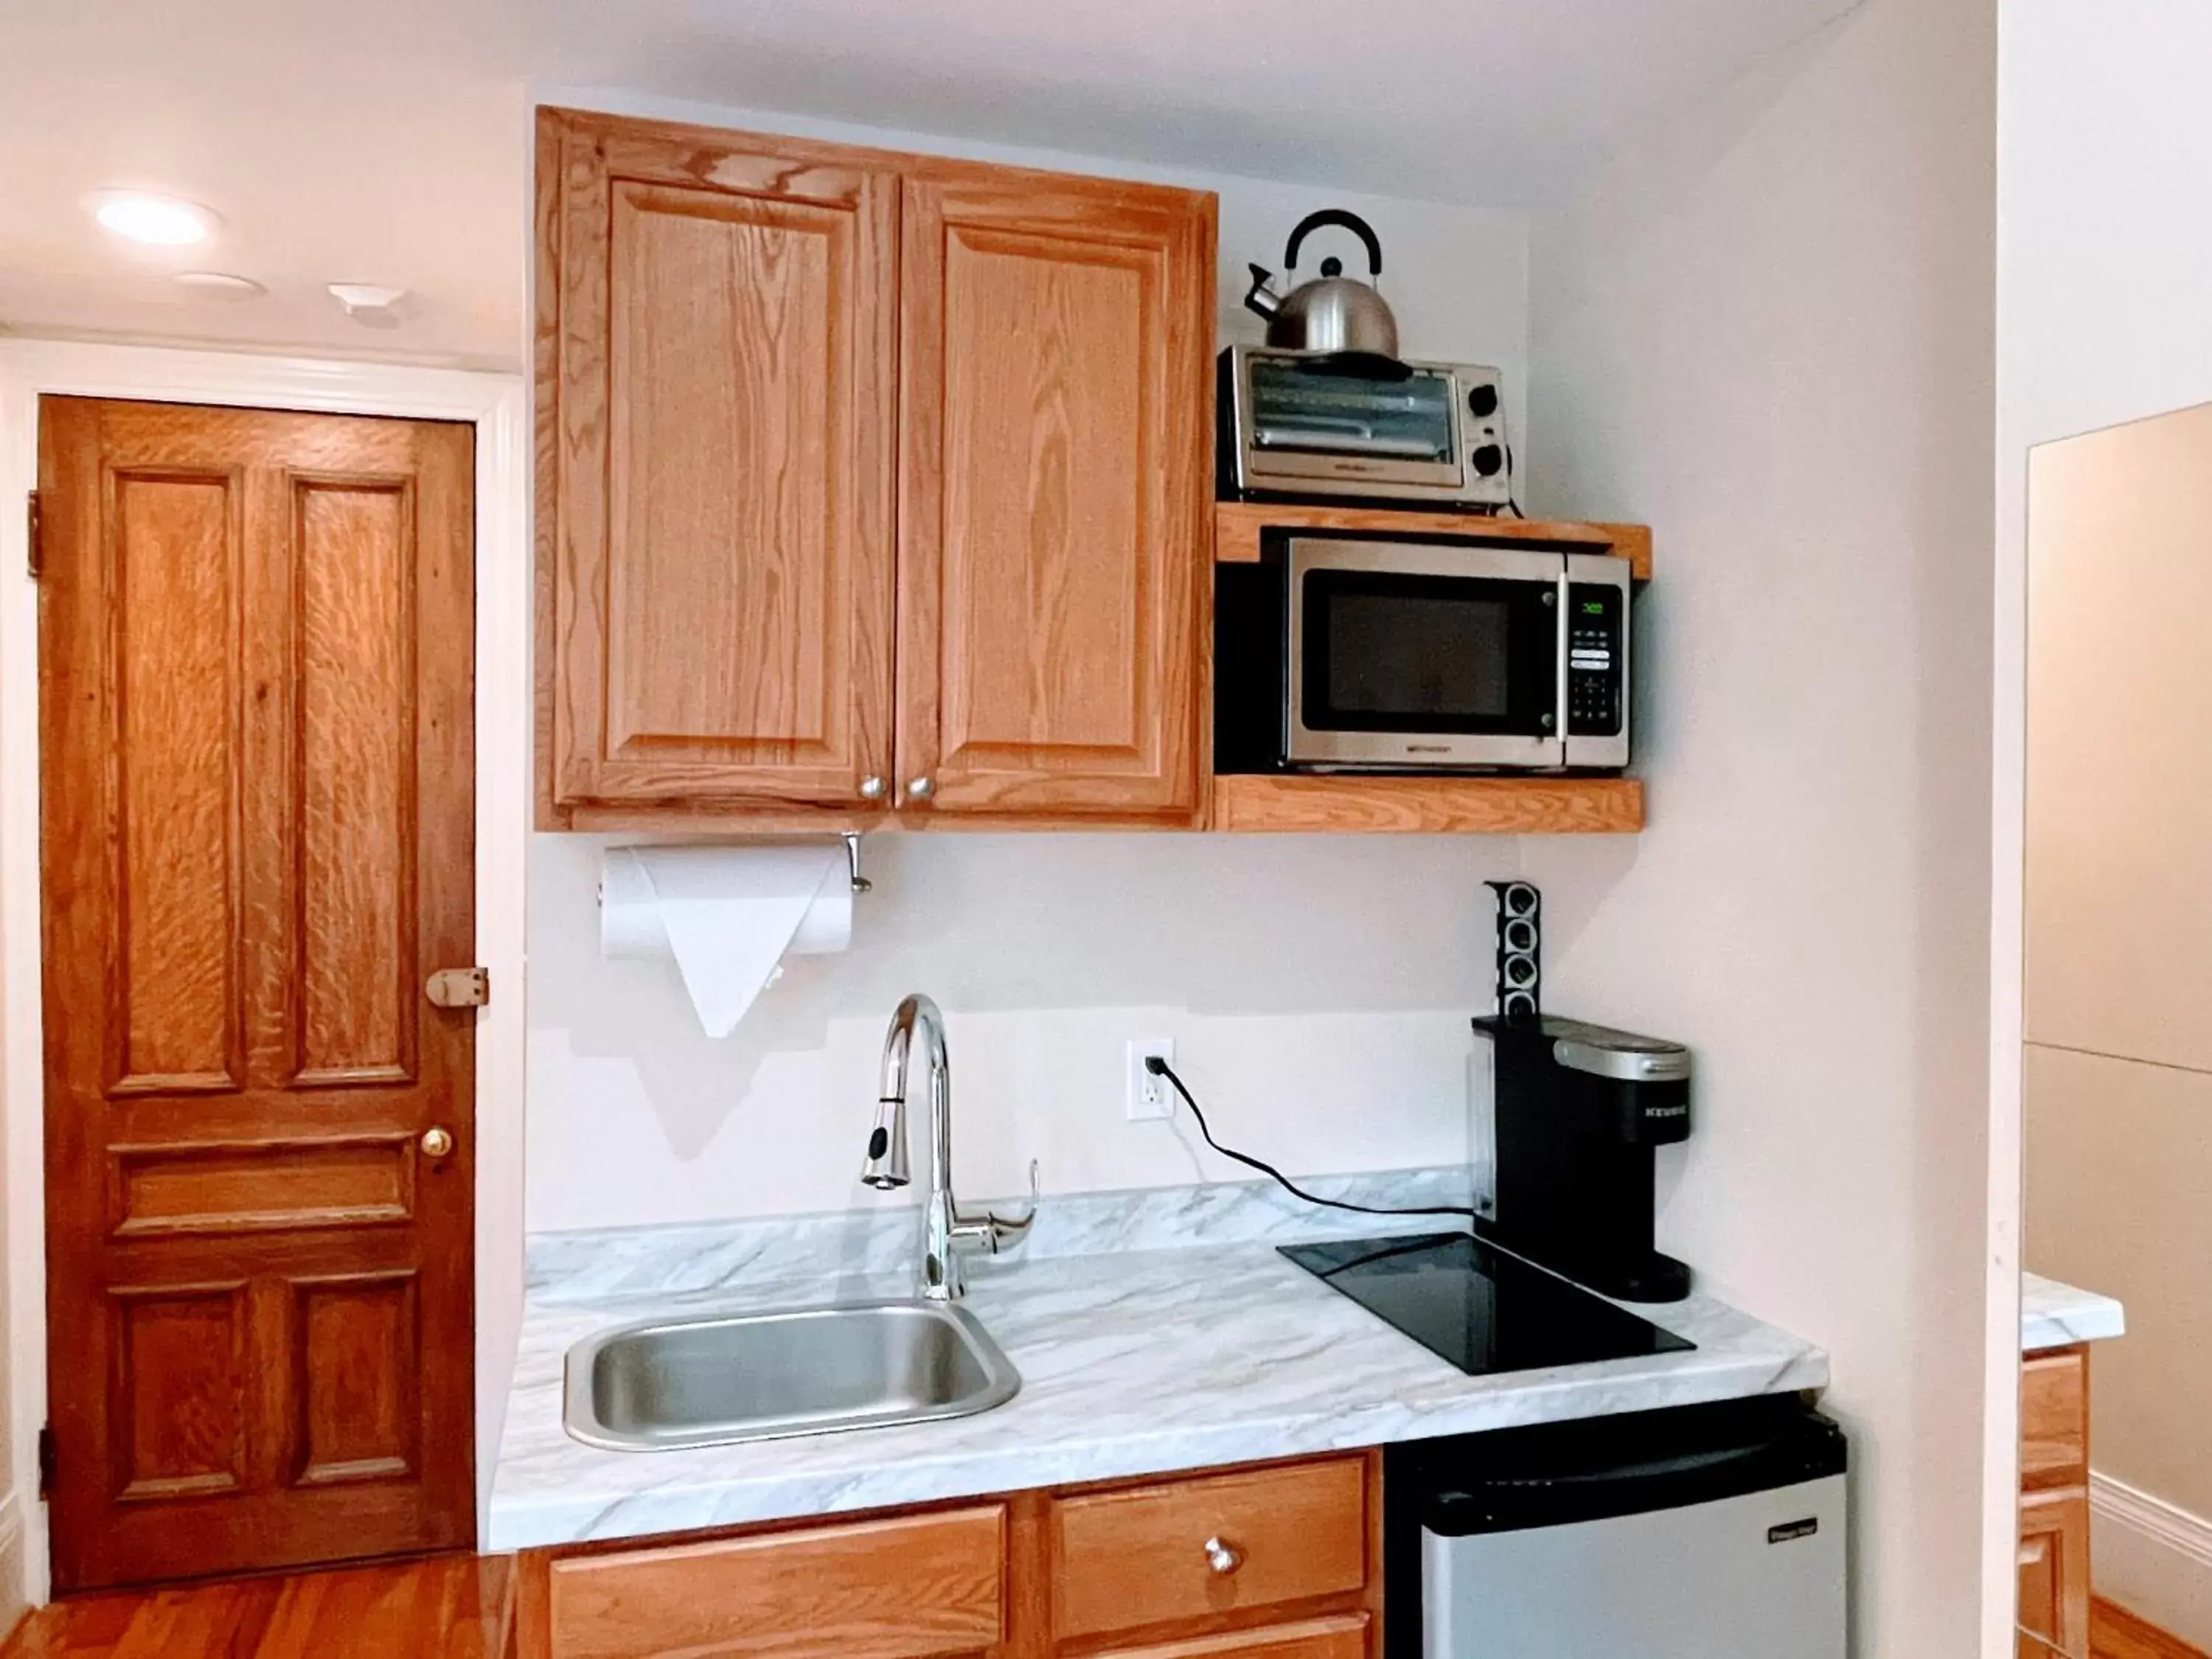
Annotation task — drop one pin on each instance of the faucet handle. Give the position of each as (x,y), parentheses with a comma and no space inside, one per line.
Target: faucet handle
(1007,1231)
(999,1233)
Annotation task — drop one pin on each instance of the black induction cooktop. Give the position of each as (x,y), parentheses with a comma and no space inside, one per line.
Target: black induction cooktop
(1480,1309)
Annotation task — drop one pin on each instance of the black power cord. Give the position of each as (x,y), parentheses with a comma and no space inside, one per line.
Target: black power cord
(1159,1068)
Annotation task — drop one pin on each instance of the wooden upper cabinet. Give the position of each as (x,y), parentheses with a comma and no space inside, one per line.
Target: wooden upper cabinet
(749,351)
(717,341)
(1056,480)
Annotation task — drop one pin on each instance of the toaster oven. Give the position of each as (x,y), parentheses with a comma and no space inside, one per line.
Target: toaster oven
(1350,424)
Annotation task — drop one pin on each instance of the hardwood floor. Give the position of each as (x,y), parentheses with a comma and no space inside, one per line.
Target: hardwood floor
(454,1607)
(2116,1633)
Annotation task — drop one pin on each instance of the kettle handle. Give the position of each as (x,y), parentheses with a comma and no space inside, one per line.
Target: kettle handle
(1343,218)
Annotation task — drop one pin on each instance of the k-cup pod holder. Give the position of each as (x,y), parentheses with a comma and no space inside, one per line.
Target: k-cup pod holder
(1520,993)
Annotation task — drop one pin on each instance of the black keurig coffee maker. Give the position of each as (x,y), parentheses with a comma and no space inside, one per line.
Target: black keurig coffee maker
(1578,1109)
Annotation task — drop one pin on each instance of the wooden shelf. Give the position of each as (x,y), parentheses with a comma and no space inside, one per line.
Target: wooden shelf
(1342,804)
(1237,526)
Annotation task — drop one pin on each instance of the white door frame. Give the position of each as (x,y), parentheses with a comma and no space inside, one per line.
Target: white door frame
(495,404)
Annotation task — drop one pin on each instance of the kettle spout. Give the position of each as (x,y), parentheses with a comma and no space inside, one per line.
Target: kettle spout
(1259,298)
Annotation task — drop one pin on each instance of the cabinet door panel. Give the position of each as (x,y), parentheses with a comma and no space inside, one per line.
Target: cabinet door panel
(1343,1638)
(720,332)
(1055,470)
(2054,1568)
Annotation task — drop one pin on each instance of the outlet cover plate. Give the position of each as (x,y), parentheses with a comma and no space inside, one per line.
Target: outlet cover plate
(1150,1099)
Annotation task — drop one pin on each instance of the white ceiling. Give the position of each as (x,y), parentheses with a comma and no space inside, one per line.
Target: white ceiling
(385,140)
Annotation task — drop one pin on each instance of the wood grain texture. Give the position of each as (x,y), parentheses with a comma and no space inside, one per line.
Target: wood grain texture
(1124,1560)
(293,743)
(1055,470)
(2054,1419)
(1345,1636)
(174,555)
(717,340)
(1340,802)
(907,1588)
(452,1606)
(235,1187)
(353,632)
(2117,1633)
(1239,525)
(2054,1568)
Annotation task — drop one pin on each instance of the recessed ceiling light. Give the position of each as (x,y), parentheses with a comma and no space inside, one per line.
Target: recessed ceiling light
(220,285)
(162,220)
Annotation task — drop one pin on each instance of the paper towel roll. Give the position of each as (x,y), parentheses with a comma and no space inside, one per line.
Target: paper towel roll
(726,915)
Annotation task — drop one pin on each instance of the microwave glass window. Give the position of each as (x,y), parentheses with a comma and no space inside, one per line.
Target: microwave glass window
(1383,650)
(1319,410)
(1394,653)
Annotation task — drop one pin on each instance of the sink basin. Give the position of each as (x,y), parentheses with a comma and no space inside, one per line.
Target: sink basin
(666,1383)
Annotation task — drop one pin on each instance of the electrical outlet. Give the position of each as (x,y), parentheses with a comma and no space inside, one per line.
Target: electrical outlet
(1150,1096)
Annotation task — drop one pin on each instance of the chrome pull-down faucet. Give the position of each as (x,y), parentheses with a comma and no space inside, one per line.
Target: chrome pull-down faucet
(945,1231)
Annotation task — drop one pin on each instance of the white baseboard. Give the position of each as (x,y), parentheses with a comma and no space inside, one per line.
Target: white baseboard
(2153,1558)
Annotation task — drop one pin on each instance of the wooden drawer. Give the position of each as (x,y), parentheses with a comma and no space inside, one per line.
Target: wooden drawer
(1123,1559)
(916,1587)
(1343,1637)
(2054,1419)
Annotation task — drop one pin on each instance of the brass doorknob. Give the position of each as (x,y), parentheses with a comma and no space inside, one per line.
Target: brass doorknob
(437,1143)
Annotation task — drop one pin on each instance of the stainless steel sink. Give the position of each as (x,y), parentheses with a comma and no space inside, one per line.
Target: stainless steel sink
(666,1383)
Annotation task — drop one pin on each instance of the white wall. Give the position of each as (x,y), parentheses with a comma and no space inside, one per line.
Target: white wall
(2104,258)
(1318,989)
(1769,332)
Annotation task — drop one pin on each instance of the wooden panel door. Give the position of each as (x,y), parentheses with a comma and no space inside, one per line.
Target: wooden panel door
(716,340)
(1055,478)
(258,816)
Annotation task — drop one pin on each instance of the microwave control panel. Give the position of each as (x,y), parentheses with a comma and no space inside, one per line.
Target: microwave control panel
(1595,660)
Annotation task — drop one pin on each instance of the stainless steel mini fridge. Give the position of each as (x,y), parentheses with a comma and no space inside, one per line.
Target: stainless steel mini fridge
(1701,1533)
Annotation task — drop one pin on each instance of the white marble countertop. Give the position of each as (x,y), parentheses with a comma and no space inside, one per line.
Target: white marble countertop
(1136,1363)
(2056,1316)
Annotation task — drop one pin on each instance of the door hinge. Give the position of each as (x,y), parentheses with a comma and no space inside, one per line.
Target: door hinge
(460,988)
(47,1461)
(36,552)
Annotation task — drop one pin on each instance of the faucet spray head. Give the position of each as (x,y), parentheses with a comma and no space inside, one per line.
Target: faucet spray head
(884,1168)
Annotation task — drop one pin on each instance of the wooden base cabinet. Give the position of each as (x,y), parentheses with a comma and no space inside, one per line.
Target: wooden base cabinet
(1281,1561)
(867,484)
(2054,1508)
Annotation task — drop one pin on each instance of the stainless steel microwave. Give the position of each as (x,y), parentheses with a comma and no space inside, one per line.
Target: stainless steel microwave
(1339,424)
(1367,654)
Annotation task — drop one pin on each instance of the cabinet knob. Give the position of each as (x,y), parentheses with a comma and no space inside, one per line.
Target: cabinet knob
(871,788)
(1223,1557)
(437,1143)
(921,788)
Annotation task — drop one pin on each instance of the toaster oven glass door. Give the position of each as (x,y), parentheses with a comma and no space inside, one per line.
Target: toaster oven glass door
(1409,655)
(1310,418)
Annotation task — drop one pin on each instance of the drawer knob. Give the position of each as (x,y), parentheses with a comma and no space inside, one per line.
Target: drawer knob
(1223,1557)
(921,788)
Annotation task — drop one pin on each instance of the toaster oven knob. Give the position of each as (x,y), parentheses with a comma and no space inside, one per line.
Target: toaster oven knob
(1489,460)
(1482,402)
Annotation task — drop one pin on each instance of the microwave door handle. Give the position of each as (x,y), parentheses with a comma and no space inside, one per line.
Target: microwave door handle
(1559,690)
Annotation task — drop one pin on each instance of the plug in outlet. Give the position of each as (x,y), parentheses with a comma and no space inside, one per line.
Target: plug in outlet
(1150,1096)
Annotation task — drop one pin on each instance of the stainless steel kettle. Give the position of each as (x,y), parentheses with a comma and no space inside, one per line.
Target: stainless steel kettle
(1333,312)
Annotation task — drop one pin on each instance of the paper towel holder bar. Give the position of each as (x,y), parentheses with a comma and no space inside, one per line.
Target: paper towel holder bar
(861,882)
